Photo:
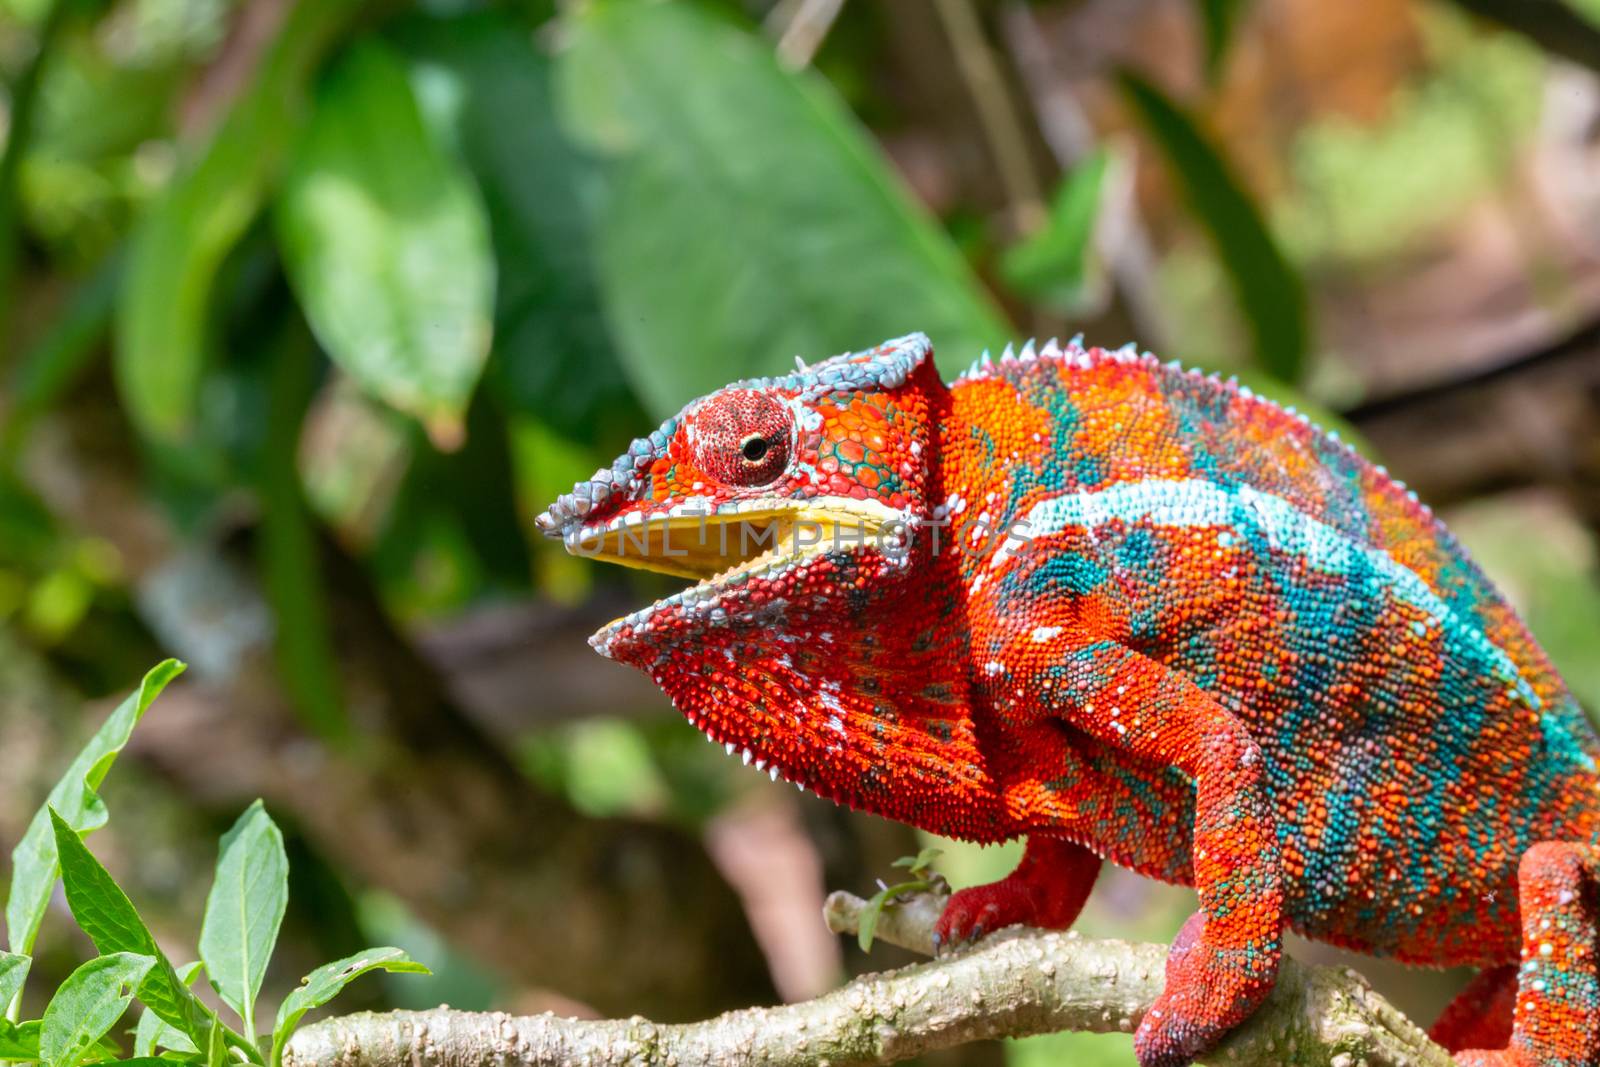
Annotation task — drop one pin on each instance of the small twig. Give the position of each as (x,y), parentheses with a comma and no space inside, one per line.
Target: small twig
(801,27)
(1012,984)
(997,112)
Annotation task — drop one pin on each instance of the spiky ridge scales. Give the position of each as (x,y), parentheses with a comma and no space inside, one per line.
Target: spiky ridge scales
(1150,613)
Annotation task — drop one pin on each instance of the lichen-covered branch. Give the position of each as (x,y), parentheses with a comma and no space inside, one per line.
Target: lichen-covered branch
(1014,983)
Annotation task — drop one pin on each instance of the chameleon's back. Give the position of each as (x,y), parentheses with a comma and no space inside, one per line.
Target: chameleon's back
(1418,739)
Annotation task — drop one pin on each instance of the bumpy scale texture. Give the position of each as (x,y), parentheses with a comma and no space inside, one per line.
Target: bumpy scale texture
(1141,615)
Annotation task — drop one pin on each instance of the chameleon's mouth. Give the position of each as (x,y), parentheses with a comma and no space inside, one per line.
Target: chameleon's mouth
(734,544)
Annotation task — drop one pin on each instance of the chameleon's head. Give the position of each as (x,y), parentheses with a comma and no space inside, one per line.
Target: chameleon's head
(794,503)
(748,488)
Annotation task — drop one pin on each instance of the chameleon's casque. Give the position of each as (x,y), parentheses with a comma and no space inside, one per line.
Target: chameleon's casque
(1138,614)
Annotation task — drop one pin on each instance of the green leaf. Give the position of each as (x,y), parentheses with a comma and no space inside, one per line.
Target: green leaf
(1270,293)
(217,1047)
(13,973)
(91,999)
(152,1033)
(34,864)
(867,925)
(326,982)
(922,861)
(244,911)
(750,217)
(105,913)
(1218,18)
(1053,266)
(386,242)
(19,1041)
(484,87)
(180,242)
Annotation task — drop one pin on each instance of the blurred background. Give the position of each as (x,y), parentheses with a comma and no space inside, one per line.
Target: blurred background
(306,308)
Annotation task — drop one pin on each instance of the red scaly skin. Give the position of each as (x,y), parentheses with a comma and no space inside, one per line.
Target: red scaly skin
(1136,614)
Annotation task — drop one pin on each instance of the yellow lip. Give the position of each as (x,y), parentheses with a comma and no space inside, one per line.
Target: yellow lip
(711,548)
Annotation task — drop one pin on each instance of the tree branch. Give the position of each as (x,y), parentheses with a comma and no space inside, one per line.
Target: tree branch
(1014,983)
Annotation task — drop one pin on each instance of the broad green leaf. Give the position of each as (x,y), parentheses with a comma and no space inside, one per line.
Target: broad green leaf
(387,245)
(1218,18)
(34,864)
(182,240)
(750,218)
(152,1034)
(19,1041)
(13,973)
(1270,293)
(325,983)
(244,911)
(485,87)
(105,913)
(91,999)
(1053,266)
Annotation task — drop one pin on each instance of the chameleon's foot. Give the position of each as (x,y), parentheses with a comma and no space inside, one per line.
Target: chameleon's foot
(1557,1014)
(1046,890)
(1209,991)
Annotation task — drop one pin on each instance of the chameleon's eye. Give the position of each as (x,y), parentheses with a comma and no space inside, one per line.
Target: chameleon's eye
(754,448)
(742,437)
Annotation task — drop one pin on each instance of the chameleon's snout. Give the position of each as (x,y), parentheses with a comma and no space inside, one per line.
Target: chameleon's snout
(624,481)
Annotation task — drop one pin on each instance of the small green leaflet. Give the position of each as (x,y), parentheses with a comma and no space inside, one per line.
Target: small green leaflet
(13,973)
(19,1041)
(217,1046)
(91,999)
(104,912)
(152,1034)
(325,983)
(34,864)
(920,866)
(244,911)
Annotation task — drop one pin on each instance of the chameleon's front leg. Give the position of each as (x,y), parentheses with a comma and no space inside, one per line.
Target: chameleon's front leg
(1048,890)
(1224,963)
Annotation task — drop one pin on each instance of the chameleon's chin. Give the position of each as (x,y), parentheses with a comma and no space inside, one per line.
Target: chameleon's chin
(748,558)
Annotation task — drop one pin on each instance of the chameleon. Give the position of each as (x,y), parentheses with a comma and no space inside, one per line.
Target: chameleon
(1138,614)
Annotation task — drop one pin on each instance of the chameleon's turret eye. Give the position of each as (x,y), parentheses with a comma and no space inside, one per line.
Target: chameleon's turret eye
(742,437)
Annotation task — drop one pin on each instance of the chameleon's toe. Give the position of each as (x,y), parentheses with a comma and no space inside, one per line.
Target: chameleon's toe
(1208,992)
(972,912)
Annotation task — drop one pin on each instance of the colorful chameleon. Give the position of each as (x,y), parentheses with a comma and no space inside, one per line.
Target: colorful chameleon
(1136,614)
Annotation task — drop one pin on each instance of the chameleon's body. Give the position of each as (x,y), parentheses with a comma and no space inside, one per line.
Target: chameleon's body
(1134,613)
